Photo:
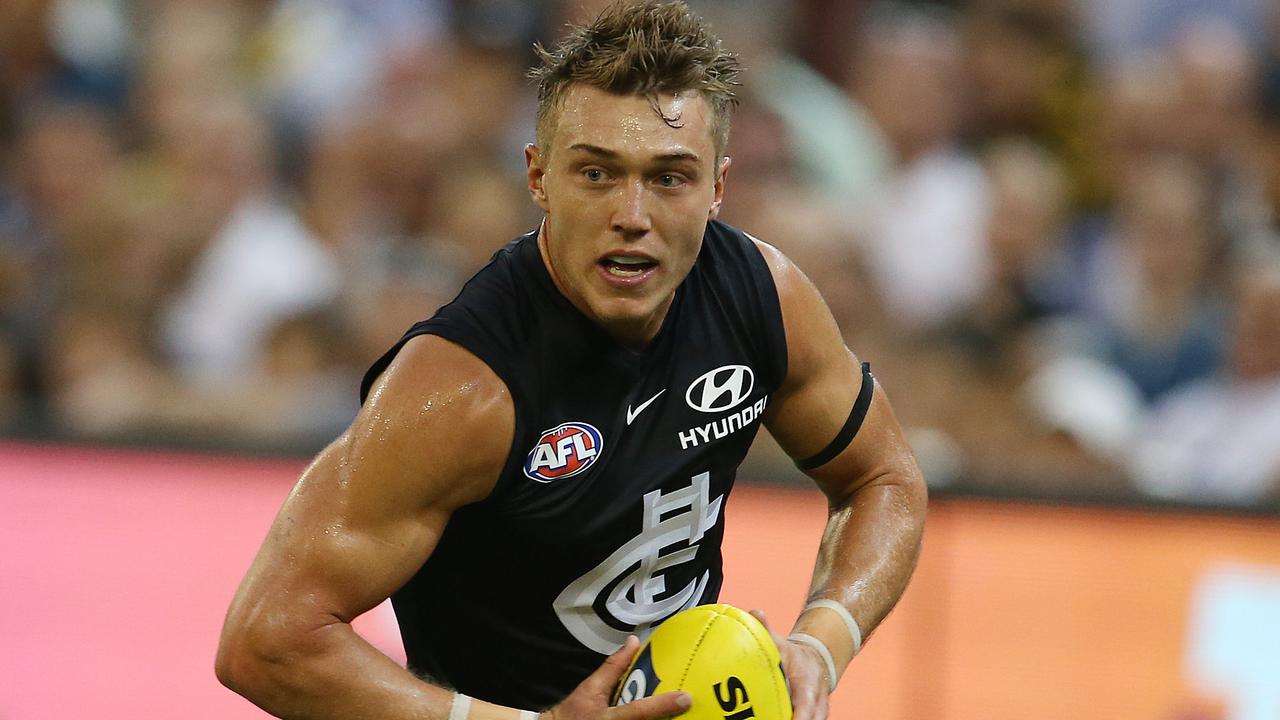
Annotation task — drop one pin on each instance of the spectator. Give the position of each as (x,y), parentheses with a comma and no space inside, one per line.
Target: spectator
(66,156)
(981,365)
(12,401)
(1030,272)
(1026,75)
(196,200)
(1218,439)
(925,242)
(1115,29)
(301,395)
(1139,94)
(319,60)
(1149,294)
(260,265)
(835,144)
(103,381)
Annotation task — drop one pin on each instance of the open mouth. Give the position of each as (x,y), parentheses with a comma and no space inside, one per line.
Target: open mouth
(625,266)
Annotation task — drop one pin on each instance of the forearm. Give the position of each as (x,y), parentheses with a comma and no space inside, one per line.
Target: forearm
(868,552)
(332,672)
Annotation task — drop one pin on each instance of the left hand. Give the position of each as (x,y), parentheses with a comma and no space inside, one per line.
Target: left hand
(806,675)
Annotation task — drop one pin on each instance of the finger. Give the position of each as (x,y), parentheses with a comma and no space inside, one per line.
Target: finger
(764,620)
(777,638)
(806,682)
(666,705)
(606,677)
(815,707)
(809,704)
(759,615)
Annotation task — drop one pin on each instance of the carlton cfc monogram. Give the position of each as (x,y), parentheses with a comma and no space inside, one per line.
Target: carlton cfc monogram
(631,585)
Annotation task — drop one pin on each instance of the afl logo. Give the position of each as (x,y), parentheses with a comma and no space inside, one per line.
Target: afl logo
(720,389)
(563,451)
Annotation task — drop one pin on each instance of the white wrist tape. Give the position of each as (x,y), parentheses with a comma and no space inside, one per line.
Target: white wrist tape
(460,708)
(854,631)
(821,647)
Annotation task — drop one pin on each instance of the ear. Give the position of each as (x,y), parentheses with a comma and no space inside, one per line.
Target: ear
(536,175)
(722,174)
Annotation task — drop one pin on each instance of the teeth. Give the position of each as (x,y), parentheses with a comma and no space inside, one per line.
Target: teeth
(623,260)
(620,272)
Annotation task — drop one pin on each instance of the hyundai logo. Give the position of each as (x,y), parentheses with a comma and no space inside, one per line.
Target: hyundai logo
(720,389)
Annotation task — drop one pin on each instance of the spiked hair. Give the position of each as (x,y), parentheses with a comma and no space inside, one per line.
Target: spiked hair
(640,48)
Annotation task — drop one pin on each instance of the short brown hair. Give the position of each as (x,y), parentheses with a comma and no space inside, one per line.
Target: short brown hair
(640,48)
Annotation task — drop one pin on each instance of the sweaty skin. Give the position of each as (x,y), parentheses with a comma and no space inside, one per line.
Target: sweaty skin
(627,197)
(364,517)
(619,180)
(876,495)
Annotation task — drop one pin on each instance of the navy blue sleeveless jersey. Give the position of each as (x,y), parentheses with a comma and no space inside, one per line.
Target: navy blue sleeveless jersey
(609,513)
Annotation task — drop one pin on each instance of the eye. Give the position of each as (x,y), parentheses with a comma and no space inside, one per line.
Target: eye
(669,180)
(593,175)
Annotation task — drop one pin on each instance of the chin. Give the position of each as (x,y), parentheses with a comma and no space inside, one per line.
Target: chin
(624,312)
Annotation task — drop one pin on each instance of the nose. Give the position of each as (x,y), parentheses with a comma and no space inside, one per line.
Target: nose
(631,216)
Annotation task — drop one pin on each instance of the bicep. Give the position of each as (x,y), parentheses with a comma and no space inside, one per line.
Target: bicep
(820,392)
(370,509)
(339,545)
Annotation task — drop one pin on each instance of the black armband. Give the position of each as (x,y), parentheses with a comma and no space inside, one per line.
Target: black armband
(851,426)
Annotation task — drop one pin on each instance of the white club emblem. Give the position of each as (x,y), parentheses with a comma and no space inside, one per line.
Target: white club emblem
(635,571)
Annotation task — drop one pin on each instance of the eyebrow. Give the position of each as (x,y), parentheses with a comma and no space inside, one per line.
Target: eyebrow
(613,155)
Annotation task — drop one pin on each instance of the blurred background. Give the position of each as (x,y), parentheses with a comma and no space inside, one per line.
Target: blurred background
(1052,226)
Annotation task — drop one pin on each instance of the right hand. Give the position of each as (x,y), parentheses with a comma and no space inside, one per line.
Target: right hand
(806,676)
(590,701)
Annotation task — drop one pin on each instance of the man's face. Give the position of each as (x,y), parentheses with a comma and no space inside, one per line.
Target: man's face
(627,198)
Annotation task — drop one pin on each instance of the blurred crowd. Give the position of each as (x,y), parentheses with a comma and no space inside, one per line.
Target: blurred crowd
(1050,225)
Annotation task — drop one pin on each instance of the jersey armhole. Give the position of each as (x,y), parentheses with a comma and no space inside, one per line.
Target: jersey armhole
(771,305)
(491,358)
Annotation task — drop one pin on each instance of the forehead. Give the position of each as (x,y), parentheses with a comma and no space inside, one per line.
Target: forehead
(627,124)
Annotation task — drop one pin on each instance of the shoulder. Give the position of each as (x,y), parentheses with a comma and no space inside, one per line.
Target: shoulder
(785,273)
(810,328)
(723,240)
(438,410)
(791,283)
(508,271)
(428,365)
(491,317)
(738,259)
(736,277)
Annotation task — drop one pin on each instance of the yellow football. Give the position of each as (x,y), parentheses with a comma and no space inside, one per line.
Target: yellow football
(720,655)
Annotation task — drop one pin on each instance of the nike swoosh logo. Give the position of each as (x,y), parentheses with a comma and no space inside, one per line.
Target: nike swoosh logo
(631,414)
